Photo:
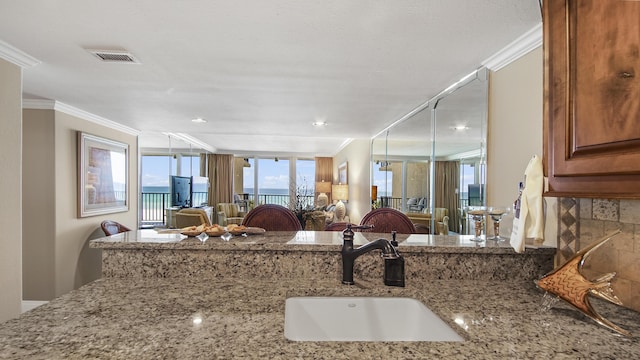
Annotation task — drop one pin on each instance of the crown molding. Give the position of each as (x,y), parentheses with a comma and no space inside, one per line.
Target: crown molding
(530,40)
(44,104)
(38,104)
(17,56)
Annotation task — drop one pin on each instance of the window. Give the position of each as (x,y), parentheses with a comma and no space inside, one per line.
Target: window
(305,183)
(278,180)
(189,165)
(155,172)
(383,177)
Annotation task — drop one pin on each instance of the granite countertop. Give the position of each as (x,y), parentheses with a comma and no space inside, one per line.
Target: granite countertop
(304,241)
(172,318)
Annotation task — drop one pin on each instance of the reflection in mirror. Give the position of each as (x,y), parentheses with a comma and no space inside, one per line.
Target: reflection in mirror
(432,161)
(460,147)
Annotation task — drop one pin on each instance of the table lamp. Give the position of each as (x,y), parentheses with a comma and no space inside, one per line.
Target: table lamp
(340,192)
(323,188)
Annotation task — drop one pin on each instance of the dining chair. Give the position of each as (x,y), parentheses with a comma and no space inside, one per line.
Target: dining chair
(386,220)
(110,227)
(272,217)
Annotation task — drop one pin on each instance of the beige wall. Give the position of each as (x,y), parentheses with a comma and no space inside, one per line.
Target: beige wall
(238,171)
(515,135)
(358,158)
(514,126)
(38,205)
(416,173)
(10,185)
(72,262)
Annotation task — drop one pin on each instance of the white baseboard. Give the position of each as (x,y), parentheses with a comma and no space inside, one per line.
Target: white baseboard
(31,304)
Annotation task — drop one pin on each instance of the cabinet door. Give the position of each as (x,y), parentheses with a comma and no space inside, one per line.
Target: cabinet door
(592,97)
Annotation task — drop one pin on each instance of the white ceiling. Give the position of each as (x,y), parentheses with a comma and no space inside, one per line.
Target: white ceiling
(259,71)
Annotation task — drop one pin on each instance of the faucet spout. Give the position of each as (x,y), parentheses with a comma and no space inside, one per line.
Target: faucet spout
(349,254)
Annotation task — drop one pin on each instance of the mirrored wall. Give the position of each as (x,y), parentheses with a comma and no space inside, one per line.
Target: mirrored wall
(435,157)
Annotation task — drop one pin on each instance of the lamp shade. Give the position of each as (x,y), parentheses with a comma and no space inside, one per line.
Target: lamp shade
(374,192)
(323,187)
(340,192)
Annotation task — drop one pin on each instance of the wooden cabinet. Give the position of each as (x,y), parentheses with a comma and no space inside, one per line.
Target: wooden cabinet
(592,98)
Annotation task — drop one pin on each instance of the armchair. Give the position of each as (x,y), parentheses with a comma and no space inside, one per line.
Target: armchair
(442,227)
(229,213)
(192,216)
(423,218)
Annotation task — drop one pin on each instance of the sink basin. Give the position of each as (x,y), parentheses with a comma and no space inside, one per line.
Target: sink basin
(363,319)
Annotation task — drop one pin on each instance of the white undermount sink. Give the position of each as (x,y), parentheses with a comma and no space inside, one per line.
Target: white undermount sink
(363,319)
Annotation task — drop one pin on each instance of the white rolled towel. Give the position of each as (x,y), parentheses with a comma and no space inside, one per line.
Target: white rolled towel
(530,222)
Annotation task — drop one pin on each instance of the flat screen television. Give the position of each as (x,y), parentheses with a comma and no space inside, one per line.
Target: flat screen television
(181,191)
(475,195)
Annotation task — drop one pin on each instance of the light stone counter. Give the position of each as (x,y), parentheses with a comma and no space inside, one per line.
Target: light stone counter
(313,254)
(234,318)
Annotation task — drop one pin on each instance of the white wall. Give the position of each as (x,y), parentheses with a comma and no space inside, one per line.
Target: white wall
(10,190)
(358,158)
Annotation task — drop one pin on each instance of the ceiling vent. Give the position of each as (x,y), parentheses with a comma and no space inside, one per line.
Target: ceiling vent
(119,56)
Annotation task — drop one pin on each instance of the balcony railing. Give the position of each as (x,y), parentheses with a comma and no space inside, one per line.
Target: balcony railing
(153,206)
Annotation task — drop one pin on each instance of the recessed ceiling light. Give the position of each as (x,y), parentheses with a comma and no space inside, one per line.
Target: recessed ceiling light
(319,123)
(199,120)
(460,127)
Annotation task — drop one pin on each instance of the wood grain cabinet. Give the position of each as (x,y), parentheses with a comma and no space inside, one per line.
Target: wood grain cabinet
(592,98)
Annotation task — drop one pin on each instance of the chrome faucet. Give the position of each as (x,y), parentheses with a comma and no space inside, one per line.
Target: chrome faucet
(393,262)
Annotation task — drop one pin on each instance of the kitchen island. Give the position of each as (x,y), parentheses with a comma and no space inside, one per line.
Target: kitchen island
(172,318)
(313,254)
(235,310)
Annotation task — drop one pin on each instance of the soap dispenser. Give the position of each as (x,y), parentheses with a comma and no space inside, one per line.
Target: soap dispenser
(394,268)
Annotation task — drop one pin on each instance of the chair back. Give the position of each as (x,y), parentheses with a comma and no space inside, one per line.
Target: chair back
(191,217)
(386,220)
(272,218)
(110,227)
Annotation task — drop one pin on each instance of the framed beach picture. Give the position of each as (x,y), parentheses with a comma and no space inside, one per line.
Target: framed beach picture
(103,186)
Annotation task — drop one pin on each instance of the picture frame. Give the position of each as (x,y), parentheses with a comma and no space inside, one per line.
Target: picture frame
(342,173)
(103,175)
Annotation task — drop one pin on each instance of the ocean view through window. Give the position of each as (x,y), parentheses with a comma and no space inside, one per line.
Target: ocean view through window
(279,182)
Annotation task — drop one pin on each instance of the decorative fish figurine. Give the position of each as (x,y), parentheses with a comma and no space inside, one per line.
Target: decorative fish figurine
(571,286)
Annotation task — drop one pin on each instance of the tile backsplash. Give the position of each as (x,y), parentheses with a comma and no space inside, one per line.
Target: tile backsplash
(584,221)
